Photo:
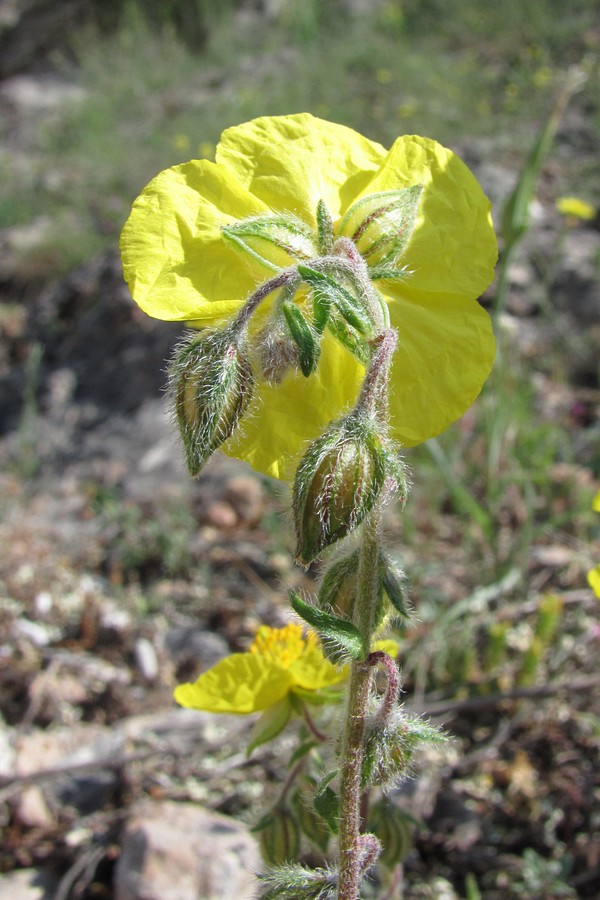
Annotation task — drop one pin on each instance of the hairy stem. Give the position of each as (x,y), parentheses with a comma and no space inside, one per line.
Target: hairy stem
(351,863)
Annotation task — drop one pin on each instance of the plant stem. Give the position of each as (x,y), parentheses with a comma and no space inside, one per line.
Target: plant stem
(351,870)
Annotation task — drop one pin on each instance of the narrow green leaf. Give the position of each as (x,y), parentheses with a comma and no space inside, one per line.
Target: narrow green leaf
(303,335)
(341,638)
(348,338)
(350,307)
(327,803)
(393,582)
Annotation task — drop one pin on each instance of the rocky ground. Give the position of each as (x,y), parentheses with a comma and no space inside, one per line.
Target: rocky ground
(120,577)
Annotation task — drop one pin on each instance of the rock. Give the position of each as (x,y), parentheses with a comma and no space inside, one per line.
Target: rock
(85,790)
(195,645)
(245,494)
(27,884)
(178,851)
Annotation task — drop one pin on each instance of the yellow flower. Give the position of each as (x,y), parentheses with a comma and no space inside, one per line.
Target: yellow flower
(593,576)
(180,267)
(280,662)
(575,208)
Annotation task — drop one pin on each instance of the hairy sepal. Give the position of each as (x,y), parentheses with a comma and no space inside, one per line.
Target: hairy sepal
(212,384)
(337,483)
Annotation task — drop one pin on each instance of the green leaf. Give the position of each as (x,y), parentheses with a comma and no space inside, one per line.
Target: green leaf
(393,581)
(270,724)
(327,805)
(303,335)
(341,638)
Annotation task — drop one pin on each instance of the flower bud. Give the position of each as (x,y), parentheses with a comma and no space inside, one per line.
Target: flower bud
(212,383)
(279,837)
(337,484)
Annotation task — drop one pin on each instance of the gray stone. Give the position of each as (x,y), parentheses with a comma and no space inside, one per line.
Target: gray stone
(27,884)
(179,851)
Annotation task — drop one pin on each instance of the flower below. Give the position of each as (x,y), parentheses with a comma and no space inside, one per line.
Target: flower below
(279,663)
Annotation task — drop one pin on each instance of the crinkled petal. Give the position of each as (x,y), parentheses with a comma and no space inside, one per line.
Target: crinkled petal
(445,352)
(241,683)
(292,162)
(312,671)
(453,246)
(175,260)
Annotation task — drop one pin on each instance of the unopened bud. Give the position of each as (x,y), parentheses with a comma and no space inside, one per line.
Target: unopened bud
(337,483)
(212,383)
(276,353)
(280,837)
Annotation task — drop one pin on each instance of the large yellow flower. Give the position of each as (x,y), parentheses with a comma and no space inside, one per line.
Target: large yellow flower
(180,267)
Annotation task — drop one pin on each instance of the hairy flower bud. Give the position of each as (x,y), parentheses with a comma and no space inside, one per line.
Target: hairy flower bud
(212,384)
(279,836)
(337,483)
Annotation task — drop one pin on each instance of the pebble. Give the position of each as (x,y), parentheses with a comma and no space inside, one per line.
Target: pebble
(27,884)
(180,851)
(245,494)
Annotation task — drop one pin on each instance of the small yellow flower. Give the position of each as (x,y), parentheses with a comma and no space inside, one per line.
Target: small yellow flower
(206,150)
(383,76)
(180,267)
(280,662)
(593,577)
(181,142)
(575,208)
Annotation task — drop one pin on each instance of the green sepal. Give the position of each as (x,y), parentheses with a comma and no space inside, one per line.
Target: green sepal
(341,639)
(348,338)
(325,229)
(393,582)
(321,311)
(378,273)
(349,306)
(212,384)
(270,724)
(381,224)
(274,241)
(303,335)
(311,823)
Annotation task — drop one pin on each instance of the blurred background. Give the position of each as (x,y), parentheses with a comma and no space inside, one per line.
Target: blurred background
(121,577)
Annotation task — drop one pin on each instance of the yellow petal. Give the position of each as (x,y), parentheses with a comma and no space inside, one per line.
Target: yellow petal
(313,672)
(445,352)
(596,502)
(175,260)
(283,418)
(292,162)
(240,683)
(453,246)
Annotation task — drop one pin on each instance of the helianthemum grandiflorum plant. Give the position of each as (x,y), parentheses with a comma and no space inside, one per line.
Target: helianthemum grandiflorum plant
(332,288)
